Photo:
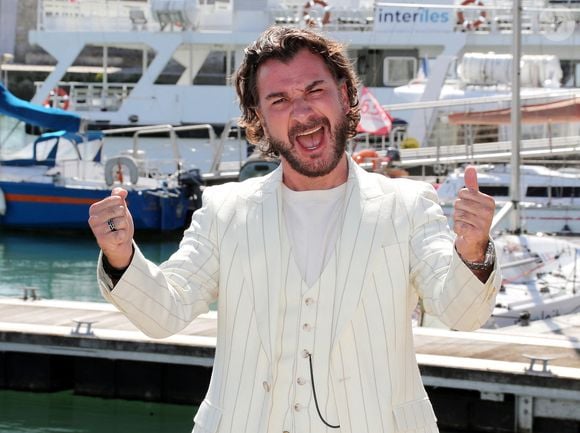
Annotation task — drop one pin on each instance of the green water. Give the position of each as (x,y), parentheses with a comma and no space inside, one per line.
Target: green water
(63,412)
(61,265)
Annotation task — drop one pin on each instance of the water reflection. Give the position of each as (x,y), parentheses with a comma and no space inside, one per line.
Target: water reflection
(61,265)
(63,412)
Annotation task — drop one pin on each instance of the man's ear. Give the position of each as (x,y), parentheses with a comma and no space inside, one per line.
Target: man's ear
(344,97)
(260,120)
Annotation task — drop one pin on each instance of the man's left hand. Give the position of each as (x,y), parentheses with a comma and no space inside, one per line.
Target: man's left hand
(472,216)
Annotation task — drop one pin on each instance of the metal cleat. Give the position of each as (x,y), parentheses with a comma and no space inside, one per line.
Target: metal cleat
(29,293)
(544,359)
(83,324)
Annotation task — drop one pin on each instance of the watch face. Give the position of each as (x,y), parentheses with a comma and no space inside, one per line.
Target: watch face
(557,25)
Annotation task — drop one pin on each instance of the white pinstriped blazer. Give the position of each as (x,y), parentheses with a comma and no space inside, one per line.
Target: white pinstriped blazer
(395,247)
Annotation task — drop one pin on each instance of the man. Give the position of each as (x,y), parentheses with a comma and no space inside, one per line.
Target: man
(316,267)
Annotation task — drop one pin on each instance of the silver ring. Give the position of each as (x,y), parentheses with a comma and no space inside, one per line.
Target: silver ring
(111,225)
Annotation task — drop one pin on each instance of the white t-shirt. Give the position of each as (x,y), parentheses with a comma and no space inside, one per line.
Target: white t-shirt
(312,222)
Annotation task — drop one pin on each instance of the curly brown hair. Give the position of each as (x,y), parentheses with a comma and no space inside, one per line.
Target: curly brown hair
(283,43)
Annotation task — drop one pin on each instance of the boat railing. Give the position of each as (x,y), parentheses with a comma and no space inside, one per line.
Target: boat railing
(501,215)
(499,151)
(231,127)
(132,15)
(450,142)
(217,145)
(89,15)
(89,96)
(493,16)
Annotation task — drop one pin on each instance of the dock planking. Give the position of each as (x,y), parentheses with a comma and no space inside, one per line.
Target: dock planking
(485,372)
(58,318)
(52,318)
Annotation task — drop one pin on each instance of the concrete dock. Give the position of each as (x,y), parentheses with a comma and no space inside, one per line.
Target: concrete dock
(508,380)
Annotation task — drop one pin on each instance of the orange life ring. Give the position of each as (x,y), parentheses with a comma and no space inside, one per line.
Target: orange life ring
(471,24)
(311,22)
(58,95)
(368,155)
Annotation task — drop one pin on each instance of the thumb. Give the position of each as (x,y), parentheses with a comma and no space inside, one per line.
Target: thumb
(470,178)
(119,192)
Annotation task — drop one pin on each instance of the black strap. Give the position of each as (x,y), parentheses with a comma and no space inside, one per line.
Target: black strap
(314,394)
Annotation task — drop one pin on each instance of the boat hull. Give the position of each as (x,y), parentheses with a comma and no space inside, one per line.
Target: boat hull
(48,206)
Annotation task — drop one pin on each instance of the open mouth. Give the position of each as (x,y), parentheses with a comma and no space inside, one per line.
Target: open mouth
(310,139)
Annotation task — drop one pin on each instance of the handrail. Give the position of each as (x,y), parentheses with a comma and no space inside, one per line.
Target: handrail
(503,212)
(139,131)
(214,168)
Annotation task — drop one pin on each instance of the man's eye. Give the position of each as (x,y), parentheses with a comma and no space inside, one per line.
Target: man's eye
(278,101)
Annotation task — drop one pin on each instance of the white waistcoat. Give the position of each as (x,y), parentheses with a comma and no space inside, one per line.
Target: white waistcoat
(306,328)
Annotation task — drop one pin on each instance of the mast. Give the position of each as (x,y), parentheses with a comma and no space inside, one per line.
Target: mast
(516,117)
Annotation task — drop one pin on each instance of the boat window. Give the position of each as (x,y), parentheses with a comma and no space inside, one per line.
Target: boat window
(495,190)
(570,73)
(537,191)
(398,70)
(565,191)
(214,70)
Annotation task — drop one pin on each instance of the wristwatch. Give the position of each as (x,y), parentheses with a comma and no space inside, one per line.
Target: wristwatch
(488,261)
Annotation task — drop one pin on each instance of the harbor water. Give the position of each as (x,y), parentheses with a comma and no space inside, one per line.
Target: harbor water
(63,412)
(61,265)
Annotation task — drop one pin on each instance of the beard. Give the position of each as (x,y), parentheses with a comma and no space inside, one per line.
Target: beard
(315,166)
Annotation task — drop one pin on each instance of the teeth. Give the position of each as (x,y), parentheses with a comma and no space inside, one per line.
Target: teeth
(310,131)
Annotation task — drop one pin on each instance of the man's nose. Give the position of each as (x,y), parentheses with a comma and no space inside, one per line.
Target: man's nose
(301,108)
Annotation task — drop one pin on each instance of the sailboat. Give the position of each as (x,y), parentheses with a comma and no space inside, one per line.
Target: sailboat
(540,273)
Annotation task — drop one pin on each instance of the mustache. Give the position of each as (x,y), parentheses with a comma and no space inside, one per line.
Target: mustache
(303,127)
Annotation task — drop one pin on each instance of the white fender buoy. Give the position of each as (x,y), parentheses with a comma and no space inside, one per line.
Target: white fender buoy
(2,203)
(113,168)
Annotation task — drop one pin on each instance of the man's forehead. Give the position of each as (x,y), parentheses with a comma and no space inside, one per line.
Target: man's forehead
(301,71)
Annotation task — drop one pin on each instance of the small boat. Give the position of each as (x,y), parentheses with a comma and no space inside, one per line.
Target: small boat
(541,279)
(550,199)
(51,182)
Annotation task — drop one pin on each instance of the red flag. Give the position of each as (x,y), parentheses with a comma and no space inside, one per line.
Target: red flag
(373,118)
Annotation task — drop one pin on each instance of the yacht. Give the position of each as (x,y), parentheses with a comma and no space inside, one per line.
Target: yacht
(187,50)
(550,198)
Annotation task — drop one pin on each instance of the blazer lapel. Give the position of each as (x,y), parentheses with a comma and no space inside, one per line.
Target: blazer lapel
(260,241)
(366,223)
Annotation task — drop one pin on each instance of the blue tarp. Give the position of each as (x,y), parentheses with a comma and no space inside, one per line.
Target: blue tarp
(49,118)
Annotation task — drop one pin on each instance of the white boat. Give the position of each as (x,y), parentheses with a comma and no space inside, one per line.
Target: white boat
(188,49)
(541,279)
(550,199)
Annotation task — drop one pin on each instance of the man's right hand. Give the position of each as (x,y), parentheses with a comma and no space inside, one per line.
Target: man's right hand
(112,225)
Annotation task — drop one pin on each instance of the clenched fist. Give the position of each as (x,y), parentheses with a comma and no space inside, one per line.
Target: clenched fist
(112,225)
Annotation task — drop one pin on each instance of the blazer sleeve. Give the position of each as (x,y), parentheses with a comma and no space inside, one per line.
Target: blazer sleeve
(446,286)
(162,300)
